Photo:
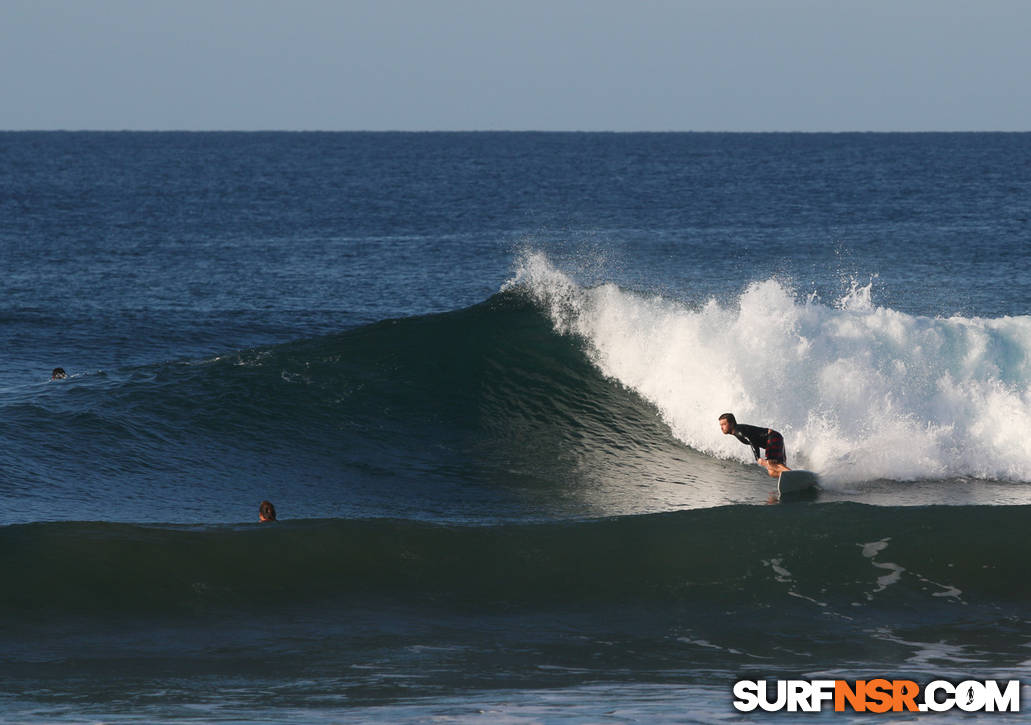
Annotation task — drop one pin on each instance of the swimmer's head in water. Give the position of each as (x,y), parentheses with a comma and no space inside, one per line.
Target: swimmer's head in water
(58,374)
(266,512)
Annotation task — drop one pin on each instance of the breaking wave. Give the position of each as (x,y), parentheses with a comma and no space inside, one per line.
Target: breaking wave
(859,391)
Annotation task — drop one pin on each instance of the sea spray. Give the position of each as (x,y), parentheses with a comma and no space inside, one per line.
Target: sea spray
(861,392)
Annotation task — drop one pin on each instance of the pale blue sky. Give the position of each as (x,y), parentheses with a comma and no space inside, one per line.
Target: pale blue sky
(650,65)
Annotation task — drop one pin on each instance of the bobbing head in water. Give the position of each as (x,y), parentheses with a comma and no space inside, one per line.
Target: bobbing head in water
(266,512)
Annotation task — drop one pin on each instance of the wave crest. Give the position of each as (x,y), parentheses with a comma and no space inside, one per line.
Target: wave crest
(860,391)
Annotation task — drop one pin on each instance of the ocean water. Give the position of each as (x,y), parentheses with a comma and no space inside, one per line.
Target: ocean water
(479,375)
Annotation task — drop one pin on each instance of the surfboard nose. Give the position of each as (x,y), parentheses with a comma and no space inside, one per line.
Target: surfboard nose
(796,480)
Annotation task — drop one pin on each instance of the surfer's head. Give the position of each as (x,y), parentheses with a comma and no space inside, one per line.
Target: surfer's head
(266,512)
(58,374)
(728,422)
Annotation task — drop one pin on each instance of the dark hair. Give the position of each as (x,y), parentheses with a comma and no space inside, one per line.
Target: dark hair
(267,511)
(729,417)
(58,373)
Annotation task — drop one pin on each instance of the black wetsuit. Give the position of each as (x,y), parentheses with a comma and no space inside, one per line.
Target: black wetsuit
(766,438)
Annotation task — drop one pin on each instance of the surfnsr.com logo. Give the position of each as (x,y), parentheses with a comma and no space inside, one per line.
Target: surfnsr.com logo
(877,695)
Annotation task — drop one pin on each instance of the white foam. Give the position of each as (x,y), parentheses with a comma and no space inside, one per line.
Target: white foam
(859,391)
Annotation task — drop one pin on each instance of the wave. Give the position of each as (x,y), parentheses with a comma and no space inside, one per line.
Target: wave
(549,399)
(861,392)
(423,416)
(831,558)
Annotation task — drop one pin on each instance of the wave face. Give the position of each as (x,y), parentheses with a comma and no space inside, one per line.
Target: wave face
(484,412)
(548,400)
(860,392)
(870,560)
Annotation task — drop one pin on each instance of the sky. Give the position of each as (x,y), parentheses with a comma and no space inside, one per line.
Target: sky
(553,65)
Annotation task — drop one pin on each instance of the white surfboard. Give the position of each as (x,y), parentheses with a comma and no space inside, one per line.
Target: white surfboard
(795,481)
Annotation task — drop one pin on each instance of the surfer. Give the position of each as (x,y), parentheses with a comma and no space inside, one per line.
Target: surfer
(266,512)
(58,374)
(766,438)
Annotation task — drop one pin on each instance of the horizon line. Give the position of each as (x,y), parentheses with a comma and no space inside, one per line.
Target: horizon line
(486,131)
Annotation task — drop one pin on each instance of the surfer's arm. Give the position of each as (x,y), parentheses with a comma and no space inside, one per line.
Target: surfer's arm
(748,442)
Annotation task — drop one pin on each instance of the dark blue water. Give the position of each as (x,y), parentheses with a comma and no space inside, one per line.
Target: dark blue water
(479,375)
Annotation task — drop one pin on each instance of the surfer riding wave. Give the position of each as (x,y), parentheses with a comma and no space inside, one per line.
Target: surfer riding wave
(768,439)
